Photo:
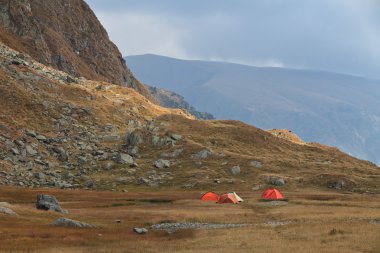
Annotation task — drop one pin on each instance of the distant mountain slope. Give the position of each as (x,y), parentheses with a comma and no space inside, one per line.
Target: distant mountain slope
(65,35)
(171,99)
(336,109)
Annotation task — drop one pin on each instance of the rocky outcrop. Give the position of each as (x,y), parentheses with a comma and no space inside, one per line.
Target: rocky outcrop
(5,208)
(66,35)
(64,222)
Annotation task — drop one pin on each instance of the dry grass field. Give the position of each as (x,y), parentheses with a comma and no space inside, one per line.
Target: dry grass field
(312,221)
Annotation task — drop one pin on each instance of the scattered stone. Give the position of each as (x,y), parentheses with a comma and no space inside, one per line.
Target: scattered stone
(133,139)
(217,181)
(133,151)
(134,165)
(62,154)
(89,184)
(48,202)
(143,180)
(109,165)
(64,222)
(124,180)
(202,154)
(274,224)
(140,231)
(173,154)
(278,181)
(15,151)
(173,227)
(235,170)
(20,143)
(39,161)
(256,164)
(339,184)
(30,150)
(124,158)
(81,160)
(41,138)
(161,163)
(31,133)
(111,138)
(118,221)
(7,211)
(156,141)
(176,137)
(39,175)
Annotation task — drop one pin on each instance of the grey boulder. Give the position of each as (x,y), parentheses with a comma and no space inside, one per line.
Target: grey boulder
(278,181)
(123,158)
(133,139)
(48,202)
(161,163)
(30,150)
(140,231)
(202,154)
(235,170)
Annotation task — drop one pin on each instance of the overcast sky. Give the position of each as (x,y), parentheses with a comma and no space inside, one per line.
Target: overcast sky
(334,35)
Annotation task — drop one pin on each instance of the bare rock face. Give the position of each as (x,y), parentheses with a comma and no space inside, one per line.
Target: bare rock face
(66,35)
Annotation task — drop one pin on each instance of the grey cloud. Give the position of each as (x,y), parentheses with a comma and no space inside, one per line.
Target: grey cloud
(335,35)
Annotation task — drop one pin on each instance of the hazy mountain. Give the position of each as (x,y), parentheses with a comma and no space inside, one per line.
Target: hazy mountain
(336,109)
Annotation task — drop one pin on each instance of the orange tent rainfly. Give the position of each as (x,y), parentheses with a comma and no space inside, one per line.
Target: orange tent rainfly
(272,194)
(210,196)
(228,198)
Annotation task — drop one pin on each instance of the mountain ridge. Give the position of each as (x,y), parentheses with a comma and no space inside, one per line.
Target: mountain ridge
(252,65)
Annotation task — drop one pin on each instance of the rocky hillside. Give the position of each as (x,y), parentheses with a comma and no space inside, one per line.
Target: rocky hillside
(66,35)
(171,99)
(57,130)
(336,109)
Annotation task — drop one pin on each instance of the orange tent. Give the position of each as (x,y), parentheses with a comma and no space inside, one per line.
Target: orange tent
(272,194)
(227,198)
(210,196)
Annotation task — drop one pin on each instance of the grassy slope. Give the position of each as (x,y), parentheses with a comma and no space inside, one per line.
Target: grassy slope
(232,142)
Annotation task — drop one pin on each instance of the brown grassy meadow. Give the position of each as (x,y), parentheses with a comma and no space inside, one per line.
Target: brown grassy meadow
(314,222)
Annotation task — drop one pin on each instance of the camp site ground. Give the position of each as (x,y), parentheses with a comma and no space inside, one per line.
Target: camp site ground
(310,221)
